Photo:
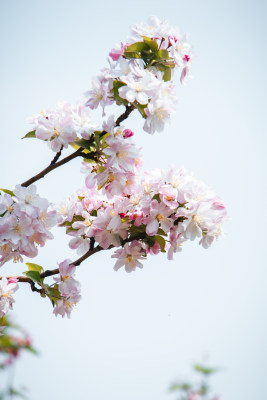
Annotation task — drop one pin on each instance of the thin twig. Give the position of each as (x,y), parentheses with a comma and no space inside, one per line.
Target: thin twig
(57,156)
(89,253)
(51,167)
(125,115)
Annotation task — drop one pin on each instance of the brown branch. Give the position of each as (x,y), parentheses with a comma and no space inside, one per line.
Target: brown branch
(125,115)
(51,167)
(57,156)
(45,274)
(89,253)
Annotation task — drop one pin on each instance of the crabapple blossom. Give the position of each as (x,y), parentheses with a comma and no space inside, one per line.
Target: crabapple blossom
(129,256)
(160,214)
(64,306)
(67,284)
(134,213)
(99,94)
(7,288)
(55,126)
(116,53)
(25,224)
(139,89)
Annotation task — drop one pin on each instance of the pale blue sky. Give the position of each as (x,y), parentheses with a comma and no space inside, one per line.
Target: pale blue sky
(132,334)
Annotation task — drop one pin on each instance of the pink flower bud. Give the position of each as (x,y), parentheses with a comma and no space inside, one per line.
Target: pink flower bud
(13,279)
(127,133)
(186,58)
(174,38)
(116,53)
(218,205)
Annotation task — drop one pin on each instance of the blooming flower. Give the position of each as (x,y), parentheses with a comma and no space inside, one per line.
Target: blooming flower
(7,288)
(67,284)
(55,126)
(129,256)
(65,306)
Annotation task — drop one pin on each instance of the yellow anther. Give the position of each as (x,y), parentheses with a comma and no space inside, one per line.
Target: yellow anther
(160,217)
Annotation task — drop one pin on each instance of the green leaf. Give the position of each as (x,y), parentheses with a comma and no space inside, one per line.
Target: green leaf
(17,393)
(204,370)
(30,134)
(118,99)
(132,54)
(150,241)
(147,55)
(138,46)
(3,321)
(161,242)
(53,294)
(31,349)
(74,145)
(151,43)
(161,232)
(137,231)
(85,144)
(71,229)
(141,109)
(166,71)
(180,386)
(167,76)
(163,54)
(156,197)
(35,267)
(8,192)
(34,276)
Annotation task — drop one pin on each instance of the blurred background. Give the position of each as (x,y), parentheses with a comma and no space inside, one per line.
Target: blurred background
(133,334)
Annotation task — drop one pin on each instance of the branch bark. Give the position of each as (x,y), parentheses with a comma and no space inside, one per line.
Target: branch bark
(51,167)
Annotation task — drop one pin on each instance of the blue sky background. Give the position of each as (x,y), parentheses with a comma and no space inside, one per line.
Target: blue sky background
(132,334)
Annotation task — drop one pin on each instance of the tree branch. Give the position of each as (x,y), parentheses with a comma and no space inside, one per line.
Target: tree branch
(125,115)
(54,164)
(51,167)
(89,253)
(57,156)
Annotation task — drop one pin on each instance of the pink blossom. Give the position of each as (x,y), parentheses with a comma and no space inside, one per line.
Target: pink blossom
(116,53)
(6,299)
(159,216)
(129,256)
(127,133)
(55,126)
(99,94)
(67,284)
(65,306)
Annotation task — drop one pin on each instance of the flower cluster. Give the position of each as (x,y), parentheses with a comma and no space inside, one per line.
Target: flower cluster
(120,207)
(118,164)
(62,124)
(24,223)
(164,210)
(140,73)
(69,289)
